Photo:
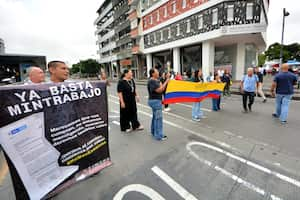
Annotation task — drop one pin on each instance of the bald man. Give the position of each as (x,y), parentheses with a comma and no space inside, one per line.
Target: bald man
(283,86)
(36,75)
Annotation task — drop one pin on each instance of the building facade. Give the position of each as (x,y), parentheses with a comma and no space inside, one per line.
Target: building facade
(118,31)
(186,35)
(2,47)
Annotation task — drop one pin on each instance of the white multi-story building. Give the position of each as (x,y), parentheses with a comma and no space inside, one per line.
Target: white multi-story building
(2,47)
(210,34)
(186,35)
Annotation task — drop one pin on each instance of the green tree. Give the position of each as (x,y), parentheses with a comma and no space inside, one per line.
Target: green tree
(291,51)
(261,59)
(75,68)
(89,67)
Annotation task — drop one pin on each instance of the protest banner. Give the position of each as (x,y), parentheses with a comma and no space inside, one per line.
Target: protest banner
(54,135)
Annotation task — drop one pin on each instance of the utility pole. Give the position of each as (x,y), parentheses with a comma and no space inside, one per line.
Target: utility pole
(285,14)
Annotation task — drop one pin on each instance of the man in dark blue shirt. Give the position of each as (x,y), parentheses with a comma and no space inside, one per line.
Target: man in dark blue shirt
(284,84)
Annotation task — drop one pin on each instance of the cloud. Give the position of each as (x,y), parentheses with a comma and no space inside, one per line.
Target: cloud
(292,33)
(59,29)
(63,29)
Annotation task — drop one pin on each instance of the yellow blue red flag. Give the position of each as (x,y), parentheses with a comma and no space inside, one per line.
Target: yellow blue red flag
(186,91)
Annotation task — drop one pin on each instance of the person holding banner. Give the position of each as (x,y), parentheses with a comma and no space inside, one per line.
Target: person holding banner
(196,109)
(128,97)
(155,90)
(59,71)
(36,75)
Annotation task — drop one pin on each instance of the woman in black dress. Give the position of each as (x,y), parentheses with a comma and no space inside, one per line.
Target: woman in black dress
(128,97)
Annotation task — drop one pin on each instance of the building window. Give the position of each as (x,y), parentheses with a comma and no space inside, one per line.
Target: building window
(178,30)
(215,16)
(165,11)
(183,3)
(230,11)
(154,38)
(161,35)
(169,33)
(188,26)
(158,17)
(249,12)
(150,19)
(174,8)
(200,21)
(195,1)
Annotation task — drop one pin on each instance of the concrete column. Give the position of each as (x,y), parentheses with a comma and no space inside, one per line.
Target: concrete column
(176,60)
(240,61)
(149,63)
(208,58)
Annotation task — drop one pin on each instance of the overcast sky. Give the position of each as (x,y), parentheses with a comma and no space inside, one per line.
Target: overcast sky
(63,29)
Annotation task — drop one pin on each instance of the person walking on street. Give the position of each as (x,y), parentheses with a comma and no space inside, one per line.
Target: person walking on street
(283,86)
(163,80)
(226,78)
(155,90)
(216,102)
(260,84)
(128,97)
(249,84)
(196,109)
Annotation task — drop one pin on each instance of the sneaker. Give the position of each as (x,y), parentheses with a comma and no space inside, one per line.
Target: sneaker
(140,128)
(164,138)
(167,109)
(128,130)
(196,119)
(250,109)
(245,111)
(283,122)
(275,115)
(265,100)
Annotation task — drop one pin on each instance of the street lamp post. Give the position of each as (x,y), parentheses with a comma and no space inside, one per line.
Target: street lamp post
(285,14)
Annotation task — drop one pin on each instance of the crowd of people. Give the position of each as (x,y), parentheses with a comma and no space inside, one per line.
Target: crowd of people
(250,85)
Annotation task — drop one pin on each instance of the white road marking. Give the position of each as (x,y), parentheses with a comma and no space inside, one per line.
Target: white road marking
(147,191)
(166,113)
(112,117)
(225,172)
(173,184)
(177,126)
(116,123)
(252,164)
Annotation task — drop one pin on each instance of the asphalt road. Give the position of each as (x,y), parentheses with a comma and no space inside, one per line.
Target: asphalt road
(228,155)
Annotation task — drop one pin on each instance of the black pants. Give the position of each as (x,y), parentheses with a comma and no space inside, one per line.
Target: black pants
(128,116)
(245,99)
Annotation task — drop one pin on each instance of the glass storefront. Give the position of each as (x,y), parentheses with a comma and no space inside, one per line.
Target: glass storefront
(163,61)
(191,59)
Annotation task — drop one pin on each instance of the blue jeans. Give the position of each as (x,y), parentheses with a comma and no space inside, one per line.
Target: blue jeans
(282,106)
(196,111)
(157,120)
(216,104)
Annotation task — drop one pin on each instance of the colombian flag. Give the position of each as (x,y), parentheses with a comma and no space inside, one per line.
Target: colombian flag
(186,91)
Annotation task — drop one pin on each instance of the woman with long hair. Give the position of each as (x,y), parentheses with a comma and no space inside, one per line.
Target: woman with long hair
(197,114)
(128,97)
